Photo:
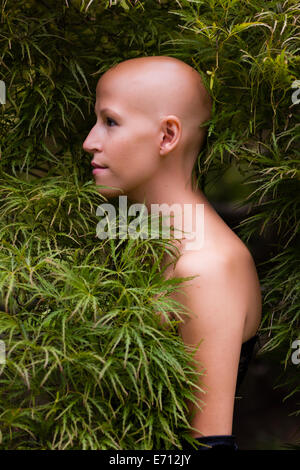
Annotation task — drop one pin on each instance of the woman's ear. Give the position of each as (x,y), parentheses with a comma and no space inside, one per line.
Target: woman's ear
(170,134)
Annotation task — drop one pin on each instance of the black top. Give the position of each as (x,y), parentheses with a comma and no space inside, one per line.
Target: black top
(245,358)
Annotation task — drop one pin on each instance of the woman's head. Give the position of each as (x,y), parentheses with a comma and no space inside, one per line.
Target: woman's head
(149,110)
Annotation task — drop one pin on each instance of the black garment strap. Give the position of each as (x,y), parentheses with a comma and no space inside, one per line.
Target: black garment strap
(226,442)
(246,355)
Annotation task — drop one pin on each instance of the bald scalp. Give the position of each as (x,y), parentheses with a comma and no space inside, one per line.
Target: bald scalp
(161,86)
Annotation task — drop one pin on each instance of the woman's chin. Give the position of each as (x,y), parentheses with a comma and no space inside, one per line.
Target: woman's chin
(110,192)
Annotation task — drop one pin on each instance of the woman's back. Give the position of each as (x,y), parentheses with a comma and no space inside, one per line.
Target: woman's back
(225,304)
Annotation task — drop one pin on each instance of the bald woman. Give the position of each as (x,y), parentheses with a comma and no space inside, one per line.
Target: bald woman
(148,135)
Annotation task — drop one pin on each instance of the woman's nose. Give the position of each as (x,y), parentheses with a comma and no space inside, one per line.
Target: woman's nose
(92,143)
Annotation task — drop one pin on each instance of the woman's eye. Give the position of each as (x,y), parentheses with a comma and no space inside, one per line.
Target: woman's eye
(109,121)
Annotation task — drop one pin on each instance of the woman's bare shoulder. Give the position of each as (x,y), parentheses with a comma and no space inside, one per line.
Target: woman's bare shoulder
(235,256)
(228,275)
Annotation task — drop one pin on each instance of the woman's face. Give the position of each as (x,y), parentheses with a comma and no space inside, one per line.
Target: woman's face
(124,138)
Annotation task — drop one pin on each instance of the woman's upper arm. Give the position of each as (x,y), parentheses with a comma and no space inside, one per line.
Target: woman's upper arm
(216,306)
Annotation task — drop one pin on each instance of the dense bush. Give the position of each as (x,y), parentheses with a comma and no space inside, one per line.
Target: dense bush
(88,365)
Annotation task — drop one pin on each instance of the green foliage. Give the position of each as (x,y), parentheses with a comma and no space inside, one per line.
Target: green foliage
(89,366)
